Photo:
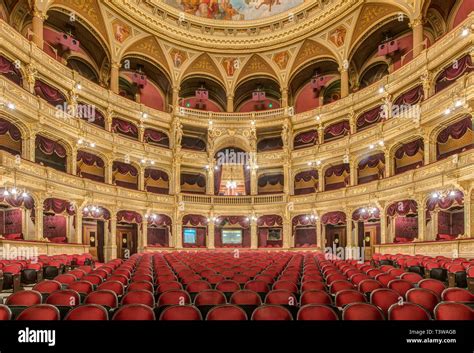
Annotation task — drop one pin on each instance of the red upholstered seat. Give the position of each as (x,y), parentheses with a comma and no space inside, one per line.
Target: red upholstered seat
(432,284)
(384,298)
(337,286)
(312,285)
(87,312)
(210,297)
(316,312)
(198,286)
(181,313)
(84,287)
(114,286)
(226,312)
(281,297)
(408,311)
(453,311)
(5,313)
(369,285)
(385,278)
(411,277)
(24,298)
(119,278)
(423,297)
(286,285)
(400,286)
(174,297)
(257,286)
(349,296)
(93,278)
(271,312)
(102,297)
(44,312)
(228,286)
(67,297)
(245,297)
(65,278)
(137,312)
(457,295)
(315,297)
(139,297)
(171,285)
(362,311)
(140,285)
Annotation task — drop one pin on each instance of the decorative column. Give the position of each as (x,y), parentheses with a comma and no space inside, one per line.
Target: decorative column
(175,96)
(388,164)
(114,77)
(434,225)
(284,97)
(143,235)
(39,219)
(288,236)
(319,234)
(141,178)
(323,236)
(344,81)
(31,147)
(468,215)
(108,171)
(320,134)
(73,163)
(320,179)
(210,178)
(427,150)
(176,185)
(78,224)
(353,172)
(254,235)
(383,225)
(178,237)
(421,218)
(417,28)
(426,80)
(253,182)
(211,232)
(38,24)
(286,175)
(230,103)
(349,235)
(110,246)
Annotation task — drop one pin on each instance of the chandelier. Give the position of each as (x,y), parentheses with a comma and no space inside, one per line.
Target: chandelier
(231,184)
(93,209)
(444,194)
(14,191)
(83,142)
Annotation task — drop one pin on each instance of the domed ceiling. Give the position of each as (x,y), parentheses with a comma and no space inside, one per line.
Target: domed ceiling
(236,10)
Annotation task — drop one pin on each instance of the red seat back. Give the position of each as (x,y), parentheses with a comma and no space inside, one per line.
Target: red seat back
(210,297)
(87,312)
(407,312)
(453,311)
(361,311)
(67,297)
(245,297)
(139,297)
(226,312)
(24,298)
(316,312)
(138,312)
(39,312)
(102,297)
(181,313)
(271,312)
(349,296)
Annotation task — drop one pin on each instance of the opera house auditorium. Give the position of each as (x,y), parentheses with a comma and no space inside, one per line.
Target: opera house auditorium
(236,160)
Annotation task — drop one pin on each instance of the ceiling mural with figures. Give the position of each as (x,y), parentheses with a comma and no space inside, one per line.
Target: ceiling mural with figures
(236,10)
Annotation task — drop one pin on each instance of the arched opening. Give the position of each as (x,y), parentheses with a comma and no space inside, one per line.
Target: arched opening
(304,231)
(156,181)
(128,229)
(194,231)
(232,172)
(337,130)
(334,228)
(17,215)
(50,153)
(454,71)
(193,183)
(402,221)
(125,128)
(214,99)
(271,182)
(90,166)
(409,156)
(306,182)
(445,215)
(124,175)
(94,222)
(456,138)
(366,224)
(371,168)
(270,231)
(159,231)
(58,221)
(305,139)
(9,70)
(314,85)
(336,177)
(156,138)
(257,94)
(50,94)
(232,232)
(10,137)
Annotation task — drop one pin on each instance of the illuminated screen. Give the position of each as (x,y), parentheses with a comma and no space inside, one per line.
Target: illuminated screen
(231,236)
(189,235)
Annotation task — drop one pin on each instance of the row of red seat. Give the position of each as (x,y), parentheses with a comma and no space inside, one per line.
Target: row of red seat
(222,285)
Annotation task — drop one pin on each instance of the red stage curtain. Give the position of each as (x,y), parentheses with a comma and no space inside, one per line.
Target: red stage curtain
(49,147)
(305,139)
(453,72)
(49,94)
(339,129)
(124,168)
(9,70)
(402,208)
(156,137)
(413,96)
(334,218)
(58,206)
(369,118)
(129,217)
(270,144)
(446,202)
(124,127)
(193,143)
(195,220)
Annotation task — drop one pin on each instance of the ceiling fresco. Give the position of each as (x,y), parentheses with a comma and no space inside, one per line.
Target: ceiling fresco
(236,10)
